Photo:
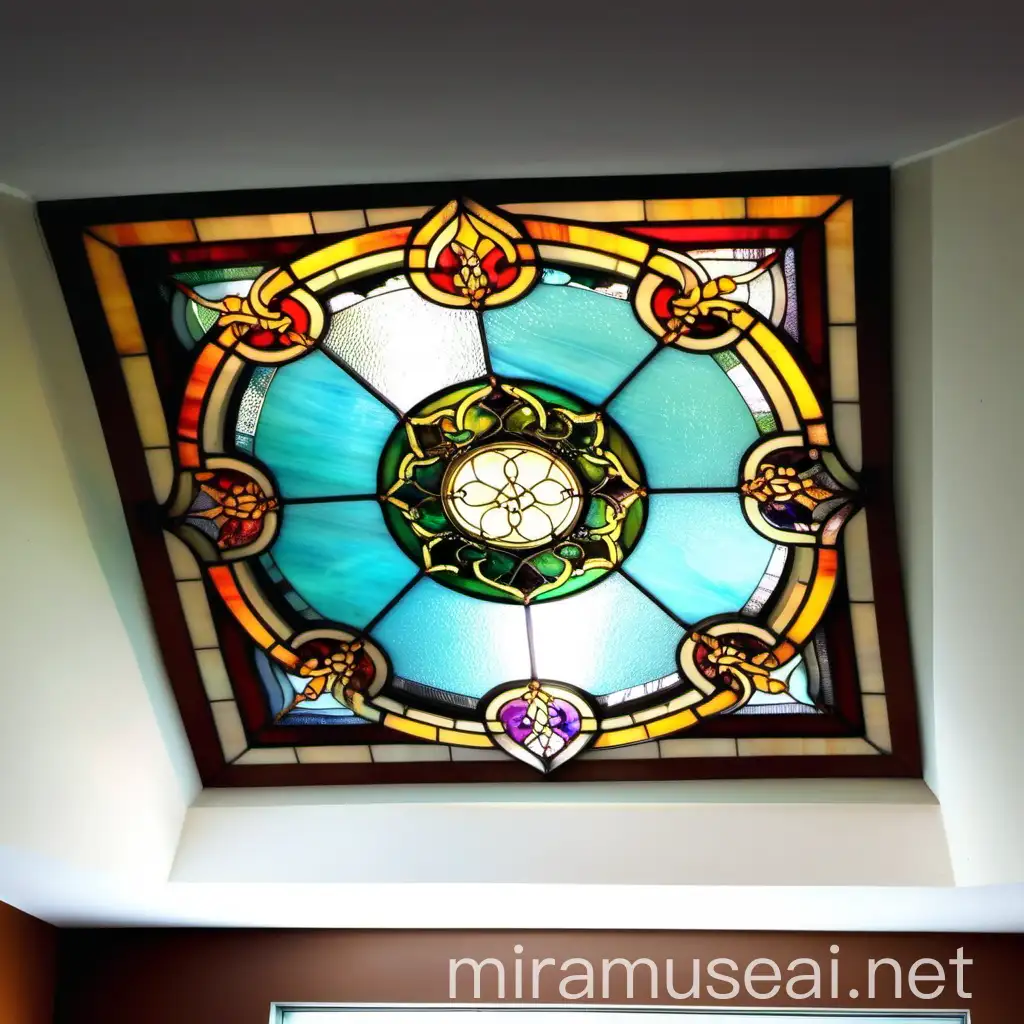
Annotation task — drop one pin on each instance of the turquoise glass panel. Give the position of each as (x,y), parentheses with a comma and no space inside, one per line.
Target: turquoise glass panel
(687,421)
(798,682)
(575,339)
(320,432)
(341,558)
(794,675)
(698,555)
(442,638)
(604,639)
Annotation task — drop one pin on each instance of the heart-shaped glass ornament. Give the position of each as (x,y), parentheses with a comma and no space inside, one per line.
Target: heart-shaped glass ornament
(542,723)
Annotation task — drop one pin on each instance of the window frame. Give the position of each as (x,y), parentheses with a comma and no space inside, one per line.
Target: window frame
(65,222)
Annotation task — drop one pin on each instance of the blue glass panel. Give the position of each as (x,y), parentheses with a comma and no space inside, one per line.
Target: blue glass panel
(798,682)
(281,688)
(576,339)
(687,421)
(341,558)
(321,432)
(794,674)
(442,638)
(698,555)
(604,639)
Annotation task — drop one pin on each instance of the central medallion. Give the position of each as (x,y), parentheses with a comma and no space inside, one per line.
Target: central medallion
(512,490)
(512,495)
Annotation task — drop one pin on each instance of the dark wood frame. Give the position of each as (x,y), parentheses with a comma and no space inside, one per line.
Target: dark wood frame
(64,223)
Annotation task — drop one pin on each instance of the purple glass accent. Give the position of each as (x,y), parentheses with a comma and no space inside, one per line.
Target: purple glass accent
(515,720)
(563,718)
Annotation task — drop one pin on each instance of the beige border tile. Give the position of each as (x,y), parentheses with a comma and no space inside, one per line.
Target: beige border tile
(229,728)
(718,747)
(356,754)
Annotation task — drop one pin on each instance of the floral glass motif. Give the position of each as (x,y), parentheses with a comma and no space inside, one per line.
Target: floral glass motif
(504,480)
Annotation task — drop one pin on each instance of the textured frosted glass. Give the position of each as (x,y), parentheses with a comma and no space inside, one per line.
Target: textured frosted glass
(687,421)
(576,339)
(698,555)
(604,639)
(341,558)
(320,431)
(442,638)
(407,347)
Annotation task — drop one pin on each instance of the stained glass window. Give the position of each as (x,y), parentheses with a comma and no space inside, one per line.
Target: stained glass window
(582,484)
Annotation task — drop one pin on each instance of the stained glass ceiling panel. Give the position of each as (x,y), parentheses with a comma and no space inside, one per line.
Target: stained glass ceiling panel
(484,489)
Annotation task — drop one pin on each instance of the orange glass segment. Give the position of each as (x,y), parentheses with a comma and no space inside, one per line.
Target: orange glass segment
(718,703)
(287,658)
(348,249)
(635,734)
(785,207)
(463,739)
(420,730)
(150,232)
(784,651)
(195,390)
(695,209)
(671,723)
(115,297)
(588,238)
(223,579)
(817,600)
(842,304)
(817,433)
(188,454)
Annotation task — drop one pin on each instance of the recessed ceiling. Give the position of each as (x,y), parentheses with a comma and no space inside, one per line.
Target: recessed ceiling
(109,98)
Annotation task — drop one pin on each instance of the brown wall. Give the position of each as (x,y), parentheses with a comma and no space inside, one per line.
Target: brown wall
(231,977)
(28,953)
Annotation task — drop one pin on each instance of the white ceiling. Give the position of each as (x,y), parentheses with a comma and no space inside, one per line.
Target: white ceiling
(111,98)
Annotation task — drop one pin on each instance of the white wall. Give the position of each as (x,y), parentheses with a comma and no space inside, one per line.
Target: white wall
(961,214)
(802,832)
(94,768)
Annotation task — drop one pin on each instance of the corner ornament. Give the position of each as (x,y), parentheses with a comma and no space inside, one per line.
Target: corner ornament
(466,256)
